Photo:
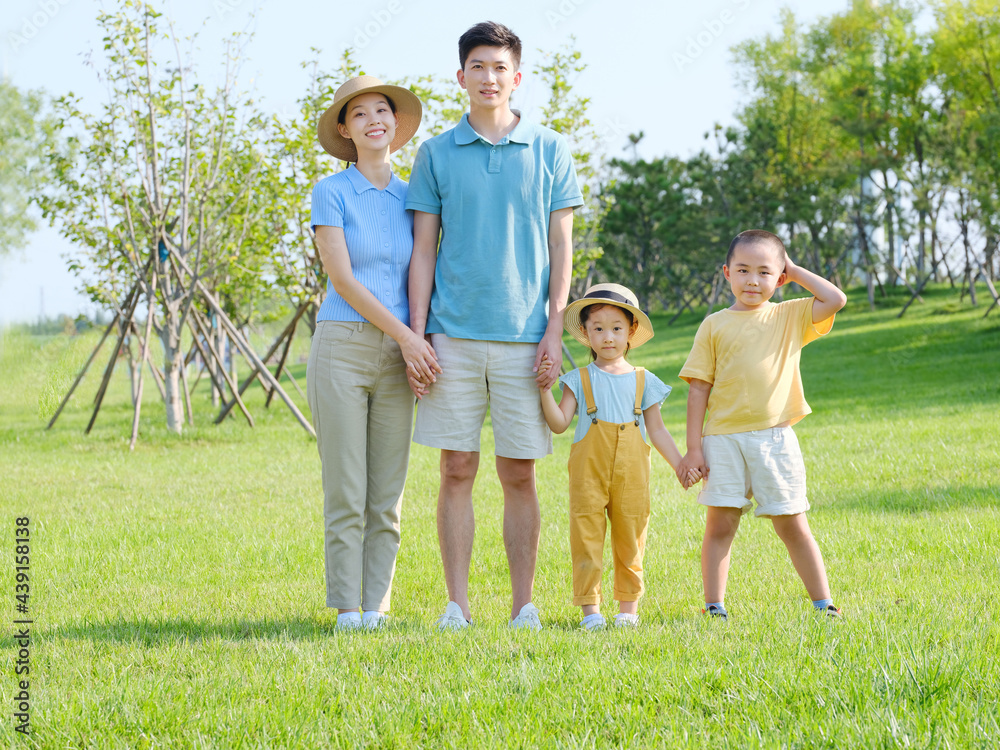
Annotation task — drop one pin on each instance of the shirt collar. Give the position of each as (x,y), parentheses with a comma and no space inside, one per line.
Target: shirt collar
(360,183)
(523,132)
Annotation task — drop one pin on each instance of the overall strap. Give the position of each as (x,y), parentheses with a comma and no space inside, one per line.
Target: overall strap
(640,384)
(588,395)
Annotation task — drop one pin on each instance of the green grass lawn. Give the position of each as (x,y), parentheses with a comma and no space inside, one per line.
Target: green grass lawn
(178,601)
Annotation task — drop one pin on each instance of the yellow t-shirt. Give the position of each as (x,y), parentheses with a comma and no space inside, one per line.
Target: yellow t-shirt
(751,358)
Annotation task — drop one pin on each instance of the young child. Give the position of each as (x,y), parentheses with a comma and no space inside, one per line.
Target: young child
(744,368)
(609,461)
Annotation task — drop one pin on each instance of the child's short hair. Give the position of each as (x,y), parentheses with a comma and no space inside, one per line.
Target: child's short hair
(585,316)
(489,34)
(754,236)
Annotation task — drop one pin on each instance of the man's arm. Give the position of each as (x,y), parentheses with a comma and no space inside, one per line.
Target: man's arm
(829,297)
(560,271)
(426,232)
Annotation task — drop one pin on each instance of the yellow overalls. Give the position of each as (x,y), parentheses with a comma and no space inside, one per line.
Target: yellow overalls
(608,474)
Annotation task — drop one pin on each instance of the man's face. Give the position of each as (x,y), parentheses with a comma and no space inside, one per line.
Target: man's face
(489,76)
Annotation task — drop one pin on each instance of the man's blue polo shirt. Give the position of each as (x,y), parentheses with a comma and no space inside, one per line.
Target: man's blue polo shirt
(491,282)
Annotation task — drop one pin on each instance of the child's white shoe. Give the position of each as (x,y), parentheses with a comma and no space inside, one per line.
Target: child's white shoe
(624,620)
(593,622)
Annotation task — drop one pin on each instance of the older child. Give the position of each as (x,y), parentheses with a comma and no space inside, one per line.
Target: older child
(744,370)
(609,461)
(356,381)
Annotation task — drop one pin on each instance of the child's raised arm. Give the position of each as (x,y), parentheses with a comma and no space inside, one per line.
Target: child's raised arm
(829,297)
(557,416)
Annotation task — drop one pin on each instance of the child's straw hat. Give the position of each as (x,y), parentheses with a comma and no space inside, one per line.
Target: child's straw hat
(408,110)
(608,294)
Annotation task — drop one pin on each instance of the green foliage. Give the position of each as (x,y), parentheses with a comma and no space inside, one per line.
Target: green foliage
(26,132)
(567,113)
(868,144)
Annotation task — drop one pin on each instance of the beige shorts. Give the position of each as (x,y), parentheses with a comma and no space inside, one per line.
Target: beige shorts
(476,375)
(762,464)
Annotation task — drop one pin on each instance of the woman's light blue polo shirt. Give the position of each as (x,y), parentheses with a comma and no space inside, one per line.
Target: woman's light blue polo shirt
(491,282)
(379,235)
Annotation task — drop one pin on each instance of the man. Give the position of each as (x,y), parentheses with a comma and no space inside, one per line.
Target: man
(499,193)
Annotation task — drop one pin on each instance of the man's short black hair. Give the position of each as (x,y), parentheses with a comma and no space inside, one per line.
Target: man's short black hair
(489,34)
(753,237)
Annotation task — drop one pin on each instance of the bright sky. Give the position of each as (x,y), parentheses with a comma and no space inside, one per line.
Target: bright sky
(663,67)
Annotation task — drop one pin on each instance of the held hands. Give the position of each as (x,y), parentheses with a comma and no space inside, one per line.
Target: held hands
(692,469)
(549,348)
(421,364)
(543,369)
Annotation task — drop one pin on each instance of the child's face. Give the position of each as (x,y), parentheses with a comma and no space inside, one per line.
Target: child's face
(754,272)
(369,122)
(609,332)
(489,76)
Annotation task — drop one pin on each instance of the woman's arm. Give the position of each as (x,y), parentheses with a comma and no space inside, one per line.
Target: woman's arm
(417,353)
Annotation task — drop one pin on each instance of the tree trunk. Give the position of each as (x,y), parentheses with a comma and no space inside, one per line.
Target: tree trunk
(173,361)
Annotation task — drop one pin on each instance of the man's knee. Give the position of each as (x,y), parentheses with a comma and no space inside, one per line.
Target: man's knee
(458,467)
(516,474)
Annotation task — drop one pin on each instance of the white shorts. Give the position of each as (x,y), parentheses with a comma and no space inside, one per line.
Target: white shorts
(762,464)
(477,374)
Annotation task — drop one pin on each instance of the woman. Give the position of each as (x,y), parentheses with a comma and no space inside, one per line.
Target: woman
(362,406)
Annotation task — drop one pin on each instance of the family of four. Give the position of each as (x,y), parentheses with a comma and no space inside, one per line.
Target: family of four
(453,290)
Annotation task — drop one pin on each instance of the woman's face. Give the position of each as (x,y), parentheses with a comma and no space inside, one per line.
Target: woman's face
(369,121)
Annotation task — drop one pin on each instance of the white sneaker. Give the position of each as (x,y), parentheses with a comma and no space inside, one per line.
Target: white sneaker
(453,618)
(373,620)
(527,618)
(349,621)
(623,620)
(593,622)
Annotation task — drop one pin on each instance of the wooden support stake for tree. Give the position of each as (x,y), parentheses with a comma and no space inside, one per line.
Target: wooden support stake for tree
(270,352)
(244,346)
(83,371)
(989,285)
(124,326)
(281,366)
(252,357)
(222,372)
(187,394)
(294,382)
(920,287)
(205,356)
(157,377)
(142,360)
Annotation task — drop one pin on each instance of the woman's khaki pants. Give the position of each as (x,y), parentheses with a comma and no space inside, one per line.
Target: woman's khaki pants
(362,409)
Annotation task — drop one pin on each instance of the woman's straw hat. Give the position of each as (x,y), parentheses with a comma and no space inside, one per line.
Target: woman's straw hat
(408,110)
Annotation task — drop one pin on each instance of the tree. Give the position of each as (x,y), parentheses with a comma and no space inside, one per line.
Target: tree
(566,113)
(25,131)
(159,200)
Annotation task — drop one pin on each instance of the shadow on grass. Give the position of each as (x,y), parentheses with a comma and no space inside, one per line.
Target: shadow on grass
(918,500)
(158,632)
